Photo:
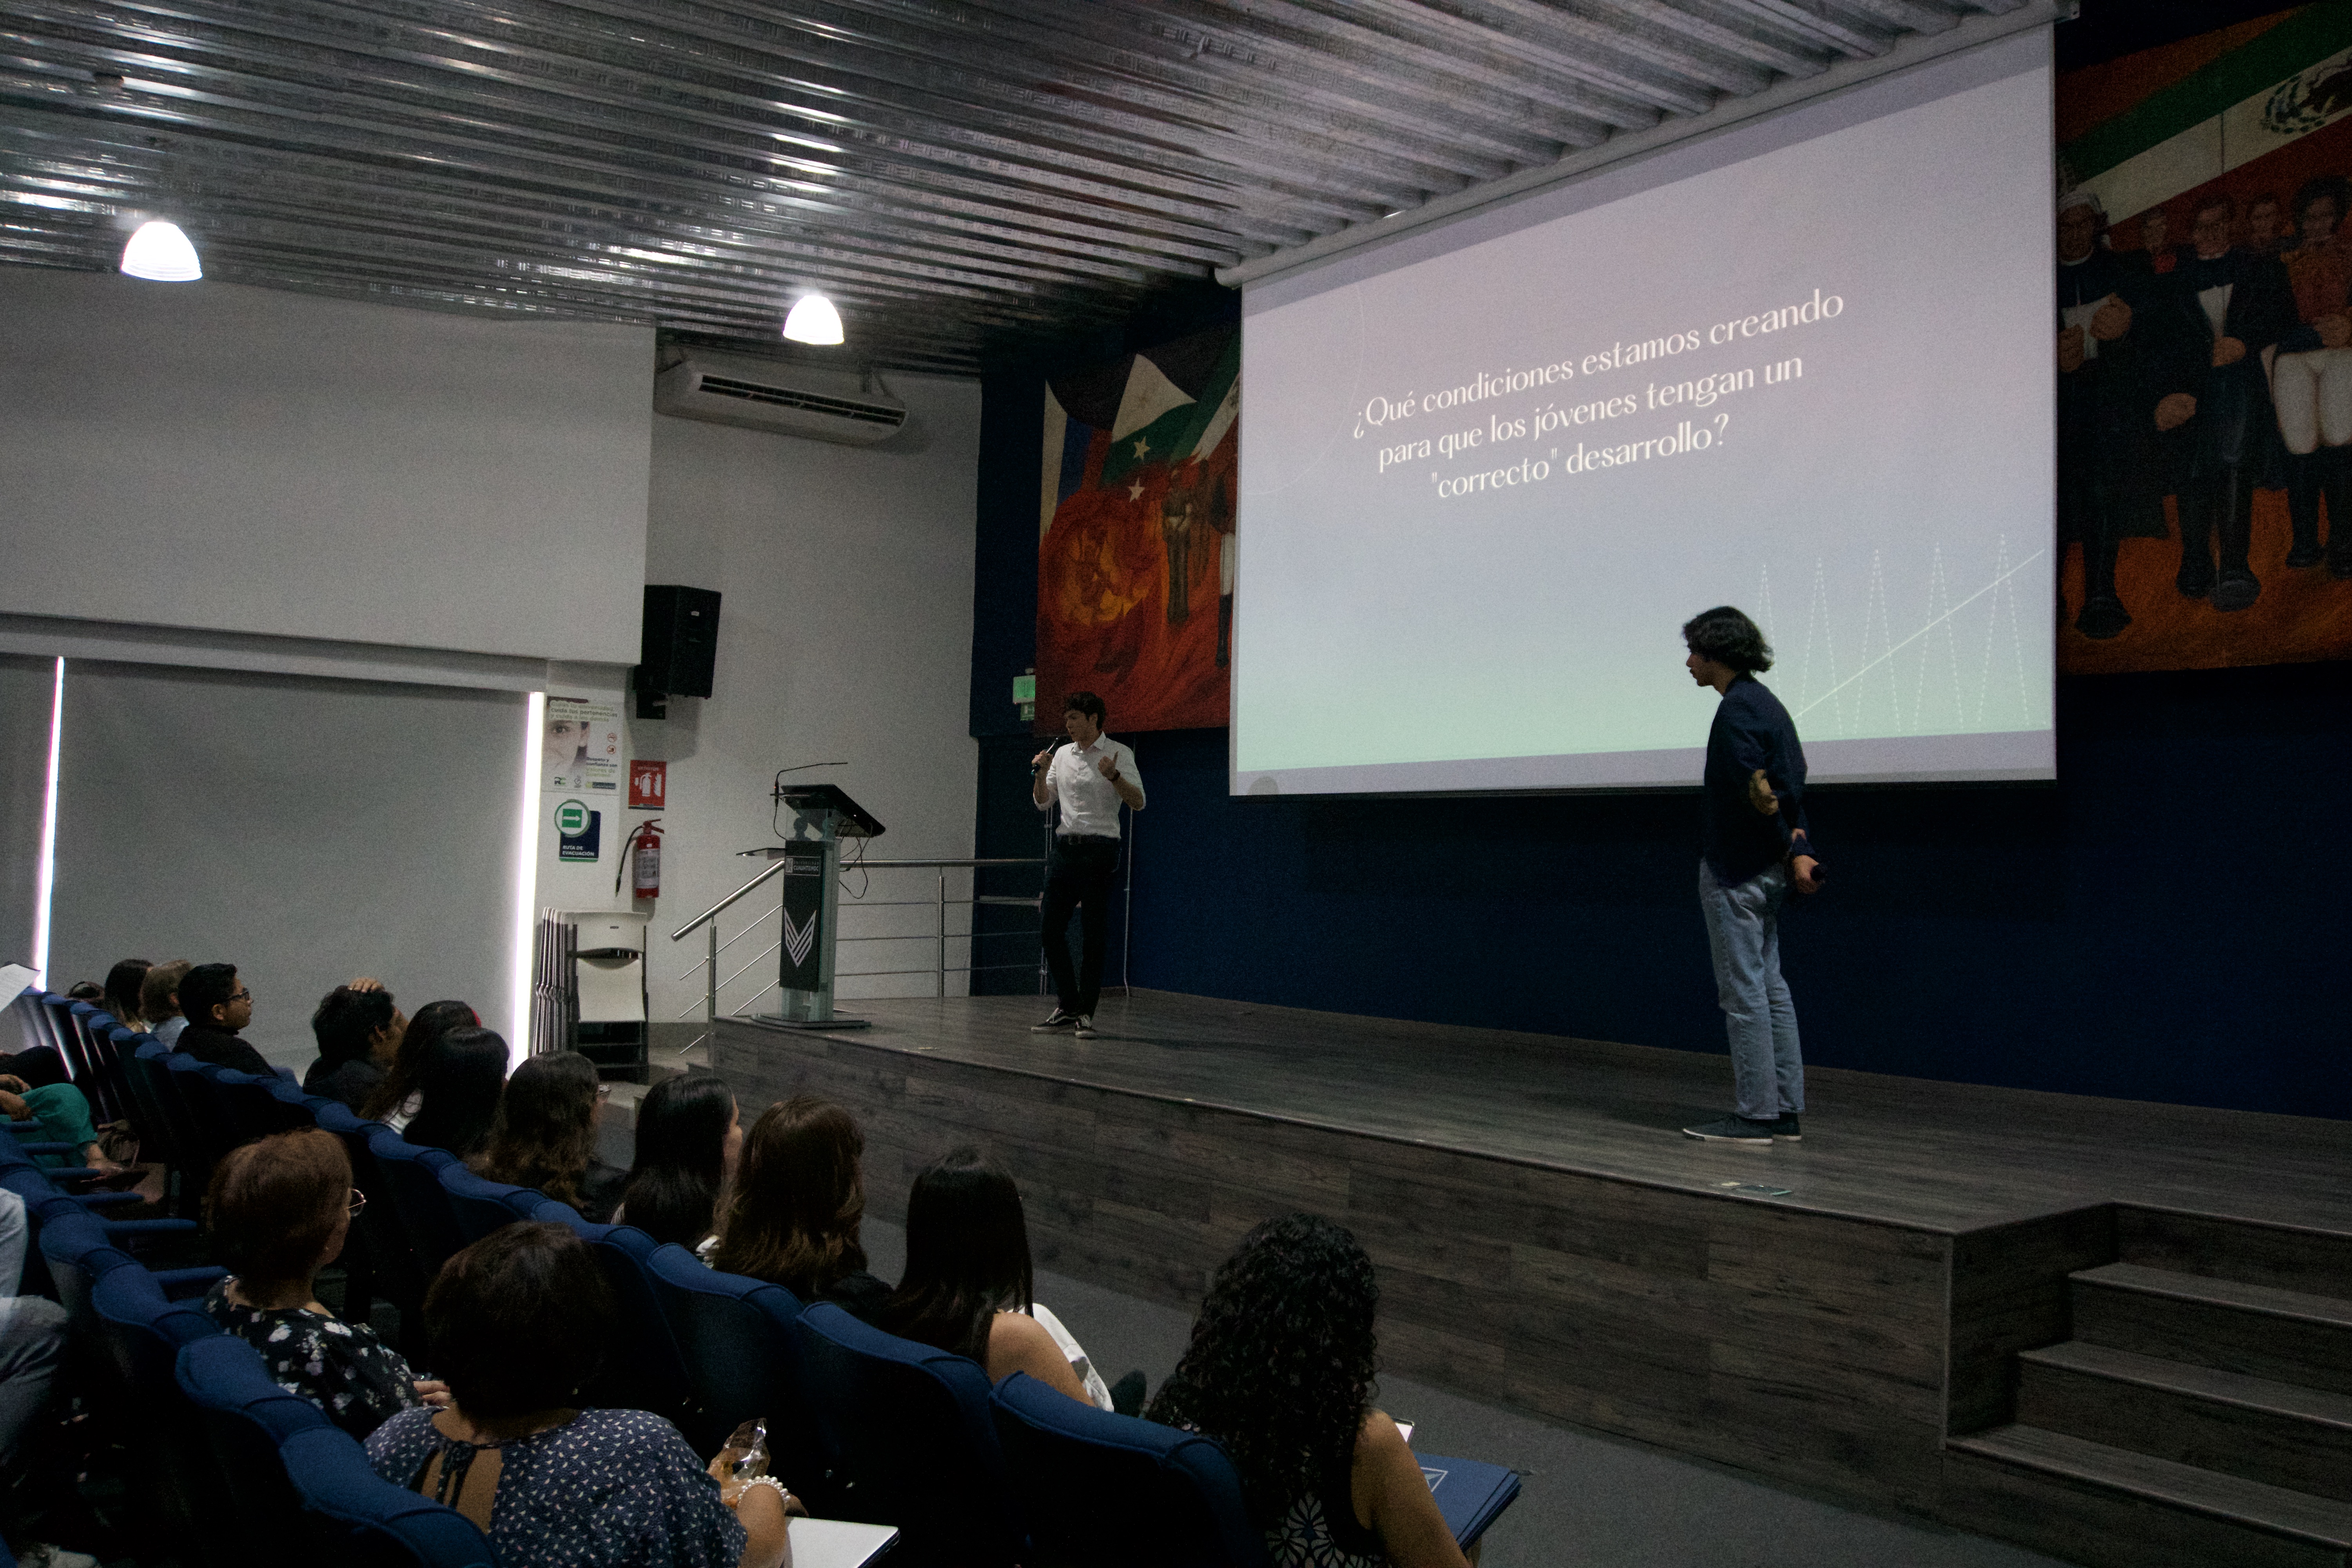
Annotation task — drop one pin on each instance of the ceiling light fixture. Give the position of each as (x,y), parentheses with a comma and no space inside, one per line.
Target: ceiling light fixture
(160,253)
(814,321)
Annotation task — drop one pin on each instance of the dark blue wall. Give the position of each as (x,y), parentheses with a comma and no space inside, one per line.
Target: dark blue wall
(2171,921)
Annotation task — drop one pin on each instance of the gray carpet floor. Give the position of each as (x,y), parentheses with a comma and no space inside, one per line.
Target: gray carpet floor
(1590,1499)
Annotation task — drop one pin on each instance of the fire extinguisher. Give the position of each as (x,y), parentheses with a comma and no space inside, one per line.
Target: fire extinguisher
(642,856)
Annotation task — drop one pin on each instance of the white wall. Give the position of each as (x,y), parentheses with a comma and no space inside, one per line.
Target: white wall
(845,634)
(244,460)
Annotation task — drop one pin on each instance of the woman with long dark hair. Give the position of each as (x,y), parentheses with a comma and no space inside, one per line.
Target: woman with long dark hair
(457,1090)
(690,1137)
(395,1100)
(799,1199)
(968,1287)
(122,997)
(1280,1369)
(544,1135)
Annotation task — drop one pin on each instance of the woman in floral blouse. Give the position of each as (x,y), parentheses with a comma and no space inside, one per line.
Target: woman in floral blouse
(278,1210)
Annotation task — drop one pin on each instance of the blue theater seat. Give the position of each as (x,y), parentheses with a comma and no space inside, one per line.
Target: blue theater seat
(412,1174)
(258,1107)
(483,1207)
(907,1436)
(183,1499)
(379,1262)
(1097,1488)
(294,1474)
(98,1071)
(645,1371)
(736,1337)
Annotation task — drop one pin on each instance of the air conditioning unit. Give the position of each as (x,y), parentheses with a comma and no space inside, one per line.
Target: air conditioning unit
(766,395)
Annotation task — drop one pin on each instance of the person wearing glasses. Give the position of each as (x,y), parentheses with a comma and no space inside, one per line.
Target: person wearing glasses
(217,1006)
(278,1210)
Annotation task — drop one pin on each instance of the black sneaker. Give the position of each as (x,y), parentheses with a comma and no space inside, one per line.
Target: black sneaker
(2236,589)
(1085,1026)
(1789,1129)
(1732,1129)
(1056,1019)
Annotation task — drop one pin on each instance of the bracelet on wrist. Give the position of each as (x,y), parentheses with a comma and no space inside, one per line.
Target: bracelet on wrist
(783,1496)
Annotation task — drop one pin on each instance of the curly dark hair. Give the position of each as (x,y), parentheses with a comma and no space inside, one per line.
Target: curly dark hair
(1282,1361)
(1728,637)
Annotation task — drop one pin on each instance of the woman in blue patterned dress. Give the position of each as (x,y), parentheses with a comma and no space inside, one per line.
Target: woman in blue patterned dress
(520,1322)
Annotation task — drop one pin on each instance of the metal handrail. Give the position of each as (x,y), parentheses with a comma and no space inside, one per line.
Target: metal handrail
(714,911)
(713,984)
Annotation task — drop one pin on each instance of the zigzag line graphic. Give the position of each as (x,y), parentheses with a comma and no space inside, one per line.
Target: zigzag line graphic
(799,938)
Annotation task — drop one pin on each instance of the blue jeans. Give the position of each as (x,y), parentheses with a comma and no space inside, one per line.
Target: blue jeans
(1743,933)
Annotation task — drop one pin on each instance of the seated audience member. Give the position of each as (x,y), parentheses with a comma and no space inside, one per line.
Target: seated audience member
(690,1138)
(395,1100)
(544,1136)
(457,1090)
(86,991)
(158,1000)
(520,1322)
(357,1028)
(122,993)
(278,1210)
(55,1113)
(967,1286)
(218,1006)
(1279,1370)
(32,1349)
(798,1201)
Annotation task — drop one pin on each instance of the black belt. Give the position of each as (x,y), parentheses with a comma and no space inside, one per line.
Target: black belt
(1085,839)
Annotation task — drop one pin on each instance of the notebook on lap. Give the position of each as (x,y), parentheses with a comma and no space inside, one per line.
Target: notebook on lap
(1470,1494)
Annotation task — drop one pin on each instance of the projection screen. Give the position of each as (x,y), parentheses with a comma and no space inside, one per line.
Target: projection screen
(1802,366)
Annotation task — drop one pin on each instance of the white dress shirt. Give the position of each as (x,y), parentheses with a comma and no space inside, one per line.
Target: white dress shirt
(1090,805)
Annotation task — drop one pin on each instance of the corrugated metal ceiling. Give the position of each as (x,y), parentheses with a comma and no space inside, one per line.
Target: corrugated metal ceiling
(958,176)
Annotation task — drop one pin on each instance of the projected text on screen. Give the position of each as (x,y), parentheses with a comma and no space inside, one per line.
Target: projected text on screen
(1805,371)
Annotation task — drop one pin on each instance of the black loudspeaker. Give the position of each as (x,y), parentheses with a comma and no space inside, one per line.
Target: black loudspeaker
(681,640)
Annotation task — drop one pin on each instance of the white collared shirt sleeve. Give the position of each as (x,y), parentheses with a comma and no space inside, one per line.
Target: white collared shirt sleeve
(1090,805)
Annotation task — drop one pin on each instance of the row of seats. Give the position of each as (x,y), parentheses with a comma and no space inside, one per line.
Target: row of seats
(862,1425)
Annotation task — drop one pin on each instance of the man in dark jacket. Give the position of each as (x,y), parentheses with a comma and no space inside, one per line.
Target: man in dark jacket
(1753,848)
(216,1008)
(2110,327)
(2229,306)
(358,1028)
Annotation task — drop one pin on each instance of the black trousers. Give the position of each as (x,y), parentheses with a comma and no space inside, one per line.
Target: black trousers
(1079,877)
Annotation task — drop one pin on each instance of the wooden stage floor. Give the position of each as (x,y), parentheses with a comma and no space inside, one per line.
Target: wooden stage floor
(1941,1156)
(1545,1236)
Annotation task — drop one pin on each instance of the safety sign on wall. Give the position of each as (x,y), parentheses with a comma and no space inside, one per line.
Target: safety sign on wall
(648,785)
(581,748)
(579,831)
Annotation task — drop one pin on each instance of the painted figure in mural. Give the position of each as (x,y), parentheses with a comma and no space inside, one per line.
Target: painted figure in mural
(1180,520)
(2230,309)
(2156,241)
(2266,225)
(2108,412)
(2312,382)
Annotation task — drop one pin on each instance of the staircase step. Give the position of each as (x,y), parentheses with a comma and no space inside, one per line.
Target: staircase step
(2288,1257)
(2278,1432)
(2105,1505)
(2287,1336)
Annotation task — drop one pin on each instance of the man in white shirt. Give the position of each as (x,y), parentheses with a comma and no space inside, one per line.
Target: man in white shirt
(1090,778)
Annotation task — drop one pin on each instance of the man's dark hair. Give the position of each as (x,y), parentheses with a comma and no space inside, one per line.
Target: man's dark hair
(348,1021)
(205,987)
(1088,704)
(1728,637)
(520,1322)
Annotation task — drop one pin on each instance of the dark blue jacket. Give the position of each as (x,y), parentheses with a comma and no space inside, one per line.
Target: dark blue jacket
(1752,731)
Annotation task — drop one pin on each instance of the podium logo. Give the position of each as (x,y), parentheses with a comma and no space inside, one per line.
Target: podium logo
(799,938)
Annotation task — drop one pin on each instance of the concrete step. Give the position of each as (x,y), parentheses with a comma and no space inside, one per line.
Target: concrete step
(2276,1433)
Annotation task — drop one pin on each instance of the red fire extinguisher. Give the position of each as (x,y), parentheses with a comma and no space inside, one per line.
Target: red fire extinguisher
(643,858)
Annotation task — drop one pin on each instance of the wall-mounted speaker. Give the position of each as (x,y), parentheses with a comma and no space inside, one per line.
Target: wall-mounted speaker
(680,644)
